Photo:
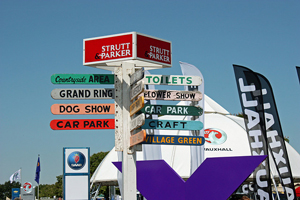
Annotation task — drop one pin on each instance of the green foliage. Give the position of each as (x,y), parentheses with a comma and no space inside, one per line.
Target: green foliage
(5,189)
(95,160)
(50,190)
(56,189)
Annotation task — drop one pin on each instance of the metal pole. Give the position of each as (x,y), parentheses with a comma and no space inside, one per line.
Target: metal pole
(129,155)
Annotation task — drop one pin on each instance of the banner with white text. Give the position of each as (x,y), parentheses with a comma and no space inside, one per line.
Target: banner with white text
(249,89)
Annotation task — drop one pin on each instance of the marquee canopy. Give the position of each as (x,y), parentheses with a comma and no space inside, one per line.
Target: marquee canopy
(231,140)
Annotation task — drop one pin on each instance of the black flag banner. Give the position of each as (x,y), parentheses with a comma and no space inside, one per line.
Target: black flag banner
(275,138)
(249,89)
(298,71)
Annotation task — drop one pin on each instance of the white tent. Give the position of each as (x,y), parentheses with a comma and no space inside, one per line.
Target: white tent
(232,141)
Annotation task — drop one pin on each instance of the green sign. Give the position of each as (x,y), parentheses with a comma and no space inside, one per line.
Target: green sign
(82,79)
(172,110)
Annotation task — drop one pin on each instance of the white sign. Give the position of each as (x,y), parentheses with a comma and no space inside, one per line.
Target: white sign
(172,80)
(137,122)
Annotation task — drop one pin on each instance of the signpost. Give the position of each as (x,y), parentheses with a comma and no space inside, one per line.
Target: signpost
(99,93)
(82,79)
(172,124)
(82,109)
(123,54)
(81,124)
(172,80)
(172,95)
(174,140)
(137,138)
(171,110)
(137,105)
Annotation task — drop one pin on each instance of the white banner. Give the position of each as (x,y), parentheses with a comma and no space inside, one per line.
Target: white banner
(197,152)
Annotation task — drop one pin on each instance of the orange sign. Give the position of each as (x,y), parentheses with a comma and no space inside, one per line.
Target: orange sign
(138,138)
(82,109)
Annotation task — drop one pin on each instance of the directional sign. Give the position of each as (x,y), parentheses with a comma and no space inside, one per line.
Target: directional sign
(80,124)
(172,80)
(137,89)
(137,122)
(136,106)
(172,124)
(82,79)
(136,76)
(97,93)
(173,95)
(174,140)
(82,109)
(172,110)
(137,138)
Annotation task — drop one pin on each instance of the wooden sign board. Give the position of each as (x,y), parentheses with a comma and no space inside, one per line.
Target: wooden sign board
(82,124)
(82,78)
(173,95)
(172,80)
(172,124)
(137,122)
(97,93)
(137,89)
(174,140)
(137,138)
(136,106)
(136,76)
(82,109)
(172,110)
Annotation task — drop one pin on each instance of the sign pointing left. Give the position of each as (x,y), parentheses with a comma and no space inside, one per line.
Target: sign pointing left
(81,124)
(100,93)
(82,79)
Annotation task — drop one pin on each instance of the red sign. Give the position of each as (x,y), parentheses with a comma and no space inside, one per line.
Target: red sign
(80,124)
(108,48)
(141,49)
(153,49)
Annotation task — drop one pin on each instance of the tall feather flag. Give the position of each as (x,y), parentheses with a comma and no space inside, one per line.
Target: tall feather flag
(298,71)
(197,152)
(251,99)
(15,176)
(275,138)
(37,171)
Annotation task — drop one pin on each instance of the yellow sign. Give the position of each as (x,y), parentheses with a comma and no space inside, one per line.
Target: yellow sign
(137,105)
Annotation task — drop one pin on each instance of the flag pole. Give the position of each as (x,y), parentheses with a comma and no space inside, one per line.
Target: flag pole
(21,175)
(39,180)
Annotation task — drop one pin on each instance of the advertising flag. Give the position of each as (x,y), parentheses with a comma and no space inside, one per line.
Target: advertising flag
(251,99)
(275,139)
(15,176)
(197,152)
(298,72)
(37,171)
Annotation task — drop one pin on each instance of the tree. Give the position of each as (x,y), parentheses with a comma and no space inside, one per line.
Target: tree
(95,160)
(5,189)
(56,189)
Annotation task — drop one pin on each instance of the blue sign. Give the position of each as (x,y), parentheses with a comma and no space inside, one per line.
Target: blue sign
(172,124)
(76,160)
(174,140)
(15,193)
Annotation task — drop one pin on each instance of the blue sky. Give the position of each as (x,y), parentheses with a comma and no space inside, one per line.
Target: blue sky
(41,38)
